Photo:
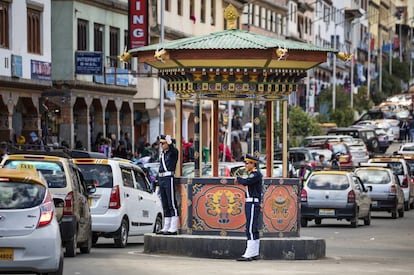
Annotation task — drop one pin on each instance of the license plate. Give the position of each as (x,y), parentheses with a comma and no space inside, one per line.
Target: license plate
(6,254)
(326,212)
(374,203)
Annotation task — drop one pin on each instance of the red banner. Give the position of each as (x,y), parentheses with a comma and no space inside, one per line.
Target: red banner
(138,23)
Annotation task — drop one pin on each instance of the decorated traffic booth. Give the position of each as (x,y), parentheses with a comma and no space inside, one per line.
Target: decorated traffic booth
(234,65)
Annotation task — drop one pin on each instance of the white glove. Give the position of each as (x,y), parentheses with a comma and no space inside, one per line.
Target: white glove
(168,139)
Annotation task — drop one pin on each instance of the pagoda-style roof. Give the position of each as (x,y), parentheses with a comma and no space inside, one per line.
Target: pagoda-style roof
(232,49)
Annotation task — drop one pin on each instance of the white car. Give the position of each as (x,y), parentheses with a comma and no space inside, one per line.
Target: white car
(406,148)
(123,204)
(30,239)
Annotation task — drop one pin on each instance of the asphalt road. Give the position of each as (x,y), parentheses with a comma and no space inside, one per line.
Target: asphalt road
(384,247)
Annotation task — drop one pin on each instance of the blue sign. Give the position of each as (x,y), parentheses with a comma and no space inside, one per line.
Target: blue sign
(88,62)
(110,76)
(16,66)
(122,77)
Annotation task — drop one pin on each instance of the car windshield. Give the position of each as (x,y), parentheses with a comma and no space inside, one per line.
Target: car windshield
(397,167)
(20,195)
(98,174)
(374,176)
(52,171)
(410,163)
(328,182)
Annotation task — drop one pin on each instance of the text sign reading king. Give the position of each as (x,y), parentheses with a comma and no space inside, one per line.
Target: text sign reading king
(138,23)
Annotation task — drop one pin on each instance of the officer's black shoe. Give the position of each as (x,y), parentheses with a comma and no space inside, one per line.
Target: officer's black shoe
(255,258)
(160,232)
(243,259)
(170,233)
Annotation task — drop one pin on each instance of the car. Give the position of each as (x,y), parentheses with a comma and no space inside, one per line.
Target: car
(225,169)
(368,136)
(124,204)
(277,170)
(384,188)
(298,156)
(359,151)
(71,195)
(336,147)
(334,194)
(30,239)
(377,113)
(406,148)
(357,147)
(401,168)
(390,126)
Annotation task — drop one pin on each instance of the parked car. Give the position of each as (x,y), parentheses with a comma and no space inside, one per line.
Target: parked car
(30,239)
(400,167)
(124,204)
(335,195)
(368,136)
(384,188)
(71,195)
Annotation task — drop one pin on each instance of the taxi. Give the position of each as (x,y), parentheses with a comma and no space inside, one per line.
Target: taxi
(384,188)
(70,194)
(401,168)
(27,223)
(334,194)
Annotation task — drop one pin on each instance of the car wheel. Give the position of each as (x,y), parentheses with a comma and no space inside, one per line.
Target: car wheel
(373,145)
(72,246)
(158,224)
(121,235)
(367,219)
(401,212)
(95,237)
(304,222)
(318,221)
(87,245)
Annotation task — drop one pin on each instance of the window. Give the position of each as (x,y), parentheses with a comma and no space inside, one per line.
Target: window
(4,25)
(192,11)
(127,179)
(180,7)
(167,5)
(114,46)
(128,65)
(82,34)
(33,31)
(141,182)
(203,11)
(213,12)
(98,32)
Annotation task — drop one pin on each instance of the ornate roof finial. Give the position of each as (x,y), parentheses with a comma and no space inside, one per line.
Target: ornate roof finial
(231,14)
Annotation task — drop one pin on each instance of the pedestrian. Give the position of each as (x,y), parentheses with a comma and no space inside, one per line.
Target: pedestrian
(335,163)
(236,149)
(404,129)
(120,151)
(253,195)
(168,162)
(411,128)
(322,163)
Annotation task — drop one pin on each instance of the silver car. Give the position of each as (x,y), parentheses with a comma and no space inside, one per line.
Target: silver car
(30,239)
(384,188)
(335,195)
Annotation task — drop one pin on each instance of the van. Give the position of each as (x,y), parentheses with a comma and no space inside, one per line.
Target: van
(124,204)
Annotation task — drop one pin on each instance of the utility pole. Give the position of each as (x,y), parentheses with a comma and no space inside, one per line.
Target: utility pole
(161,81)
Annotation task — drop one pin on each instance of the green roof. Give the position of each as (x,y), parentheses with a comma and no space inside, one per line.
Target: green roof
(231,39)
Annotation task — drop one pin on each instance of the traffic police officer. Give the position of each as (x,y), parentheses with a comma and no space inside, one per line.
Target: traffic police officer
(253,194)
(168,162)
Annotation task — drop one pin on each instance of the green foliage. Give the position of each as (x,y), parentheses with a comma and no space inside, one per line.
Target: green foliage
(301,125)
(391,83)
